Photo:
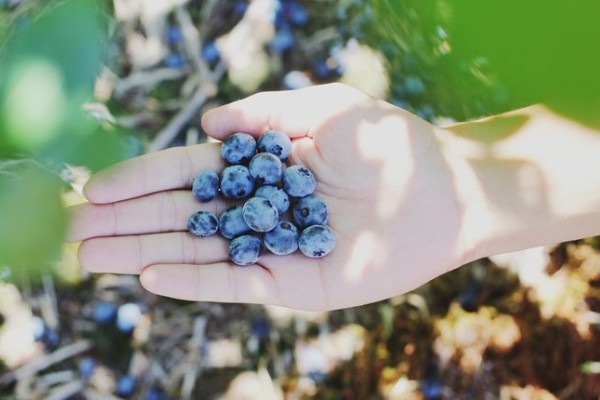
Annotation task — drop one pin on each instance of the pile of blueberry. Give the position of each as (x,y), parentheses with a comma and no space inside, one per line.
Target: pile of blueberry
(256,173)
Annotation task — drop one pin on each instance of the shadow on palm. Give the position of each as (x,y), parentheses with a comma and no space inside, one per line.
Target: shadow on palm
(391,204)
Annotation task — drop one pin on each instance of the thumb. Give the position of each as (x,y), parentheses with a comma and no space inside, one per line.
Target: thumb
(294,112)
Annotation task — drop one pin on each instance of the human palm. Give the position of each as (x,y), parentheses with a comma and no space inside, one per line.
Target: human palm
(392,201)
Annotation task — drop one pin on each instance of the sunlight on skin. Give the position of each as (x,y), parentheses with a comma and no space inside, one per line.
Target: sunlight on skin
(36,103)
(258,288)
(361,258)
(554,132)
(394,170)
(531,185)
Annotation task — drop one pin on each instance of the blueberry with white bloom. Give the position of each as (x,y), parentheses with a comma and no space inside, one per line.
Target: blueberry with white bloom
(298,181)
(283,239)
(316,241)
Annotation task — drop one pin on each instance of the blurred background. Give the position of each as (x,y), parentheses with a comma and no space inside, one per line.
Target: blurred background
(85,83)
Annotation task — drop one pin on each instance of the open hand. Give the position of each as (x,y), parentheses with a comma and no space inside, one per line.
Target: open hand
(392,199)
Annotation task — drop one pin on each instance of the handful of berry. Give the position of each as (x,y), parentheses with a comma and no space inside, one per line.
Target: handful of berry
(256,173)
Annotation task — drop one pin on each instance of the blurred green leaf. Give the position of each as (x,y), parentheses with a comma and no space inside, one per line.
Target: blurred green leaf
(590,367)
(413,36)
(540,49)
(33,217)
(49,70)
(487,57)
(49,65)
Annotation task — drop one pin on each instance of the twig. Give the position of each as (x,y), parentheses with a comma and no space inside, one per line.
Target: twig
(192,136)
(147,78)
(45,362)
(168,133)
(92,394)
(189,379)
(66,391)
(49,303)
(192,40)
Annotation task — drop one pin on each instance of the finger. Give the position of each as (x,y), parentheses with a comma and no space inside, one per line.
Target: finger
(159,212)
(219,282)
(130,254)
(292,281)
(294,112)
(168,169)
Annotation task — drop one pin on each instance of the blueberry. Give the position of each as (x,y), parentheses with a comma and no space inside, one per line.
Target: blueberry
(203,223)
(275,142)
(283,239)
(86,367)
(261,328)
(316,241)
(327,69)
(51,338)
(155,393)
(205,186)
(210,52)
(310,210)
(284,40)
(298,181)
(240,7)
(238,148)
(296,80)
(245,250)
(414,85)
(232,224)
(128,316)
(236,182)
(297,14)
(174,35)
(104,312)
(174,60)
(38,327)
(125,386)
(259,214)
(277,196)
(432,389)
(265,168)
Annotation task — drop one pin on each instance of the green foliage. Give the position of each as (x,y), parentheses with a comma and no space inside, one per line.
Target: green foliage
(49,70)
(428,77)
(479,58)
(33,217)
(49,62)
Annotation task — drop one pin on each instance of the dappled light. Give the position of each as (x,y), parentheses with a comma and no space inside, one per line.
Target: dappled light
(419,300)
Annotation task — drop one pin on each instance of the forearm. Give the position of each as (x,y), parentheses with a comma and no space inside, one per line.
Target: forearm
(527,178)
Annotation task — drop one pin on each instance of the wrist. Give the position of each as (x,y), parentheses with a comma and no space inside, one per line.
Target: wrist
(527,178)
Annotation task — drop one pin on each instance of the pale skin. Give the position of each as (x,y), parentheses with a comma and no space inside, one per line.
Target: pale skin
(408,201)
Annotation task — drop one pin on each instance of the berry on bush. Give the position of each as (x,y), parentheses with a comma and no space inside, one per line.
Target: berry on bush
(125,386)
(86,367)
(128,316)
(104,312)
